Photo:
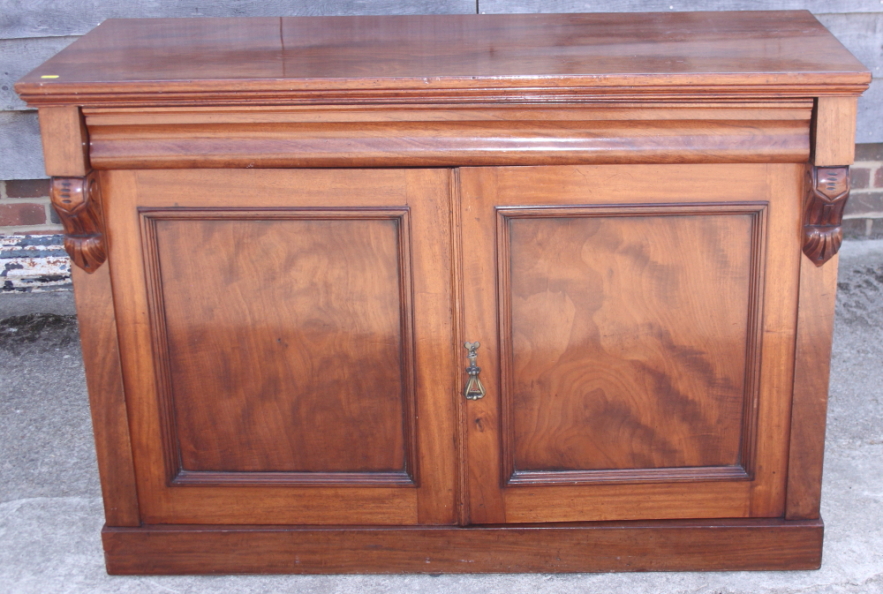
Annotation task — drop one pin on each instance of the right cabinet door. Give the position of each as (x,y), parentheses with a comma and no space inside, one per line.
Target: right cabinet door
(637,329)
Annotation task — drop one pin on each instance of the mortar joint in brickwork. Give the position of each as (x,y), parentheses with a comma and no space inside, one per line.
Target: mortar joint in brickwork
(42,229)
(37,200)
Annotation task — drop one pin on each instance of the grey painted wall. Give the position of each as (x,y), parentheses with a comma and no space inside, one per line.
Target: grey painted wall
(31,31)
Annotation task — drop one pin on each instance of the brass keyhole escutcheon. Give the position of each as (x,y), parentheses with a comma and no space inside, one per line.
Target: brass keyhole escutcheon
(474,389)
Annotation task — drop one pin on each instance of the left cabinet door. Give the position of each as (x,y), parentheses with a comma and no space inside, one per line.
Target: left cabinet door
(286,343)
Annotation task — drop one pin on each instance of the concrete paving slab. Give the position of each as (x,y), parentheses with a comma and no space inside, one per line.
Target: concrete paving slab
(51,515)
(19,304)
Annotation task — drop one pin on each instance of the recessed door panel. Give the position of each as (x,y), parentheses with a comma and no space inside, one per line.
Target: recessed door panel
(286,332)
(619,363)
(634,348)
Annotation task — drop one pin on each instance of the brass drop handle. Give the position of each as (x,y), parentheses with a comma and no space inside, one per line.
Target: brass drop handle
(474,390)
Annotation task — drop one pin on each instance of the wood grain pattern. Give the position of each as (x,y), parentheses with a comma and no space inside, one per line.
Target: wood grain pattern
(458,299)
(482,493)
(77,201)
(602,308)
(815,326)
(448,143)
(297,323)
(107,400)
(422,193)
(429,200)
(779,335)
(834,131)
(827,190)
(615,546)
(65,141)
(489,191)
(448,58)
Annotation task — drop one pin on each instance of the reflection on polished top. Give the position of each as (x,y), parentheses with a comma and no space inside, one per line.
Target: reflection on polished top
(394,56)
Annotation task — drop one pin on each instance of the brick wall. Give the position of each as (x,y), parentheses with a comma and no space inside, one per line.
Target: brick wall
(32,257)
(864,212)
(25,208)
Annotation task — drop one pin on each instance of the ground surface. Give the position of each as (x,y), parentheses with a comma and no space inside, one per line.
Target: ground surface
(51,515)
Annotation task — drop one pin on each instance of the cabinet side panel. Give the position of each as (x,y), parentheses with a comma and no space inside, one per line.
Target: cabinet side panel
(101,358)
(815,324)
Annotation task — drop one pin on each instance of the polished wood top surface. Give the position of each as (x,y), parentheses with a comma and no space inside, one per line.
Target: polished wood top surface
(469,57)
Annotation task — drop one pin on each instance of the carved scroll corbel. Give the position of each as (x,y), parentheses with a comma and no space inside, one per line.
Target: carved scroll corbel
(77,200)
(827,192)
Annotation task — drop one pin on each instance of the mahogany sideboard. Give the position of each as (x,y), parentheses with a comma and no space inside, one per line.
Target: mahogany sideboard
(285,230)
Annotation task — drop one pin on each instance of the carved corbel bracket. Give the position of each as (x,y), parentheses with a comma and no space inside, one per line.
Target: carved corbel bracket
(827,192)
(77,200)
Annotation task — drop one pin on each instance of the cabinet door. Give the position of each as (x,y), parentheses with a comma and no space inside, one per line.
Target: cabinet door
(286,344)
(637,330)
